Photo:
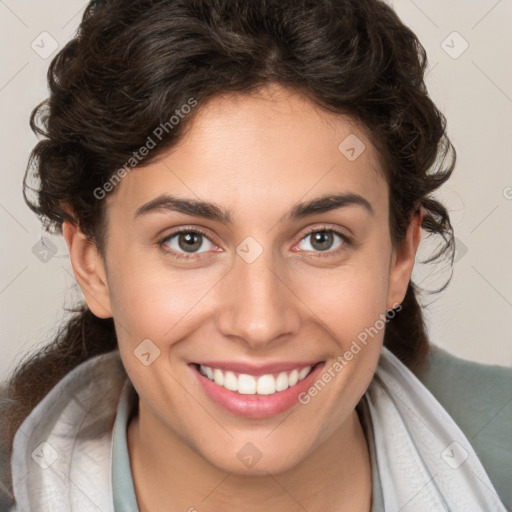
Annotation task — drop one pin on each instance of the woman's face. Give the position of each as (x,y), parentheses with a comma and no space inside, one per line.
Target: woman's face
(255,289)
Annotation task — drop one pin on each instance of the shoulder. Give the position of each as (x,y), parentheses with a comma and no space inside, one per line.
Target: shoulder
(93,386)
(479,399)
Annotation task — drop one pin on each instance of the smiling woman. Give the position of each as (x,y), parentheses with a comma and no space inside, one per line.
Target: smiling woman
(250,324)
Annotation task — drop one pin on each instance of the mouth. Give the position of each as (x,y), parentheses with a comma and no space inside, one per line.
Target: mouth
(256,394)
(248,384)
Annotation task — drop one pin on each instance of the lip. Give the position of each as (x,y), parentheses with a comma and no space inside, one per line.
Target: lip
(255,406)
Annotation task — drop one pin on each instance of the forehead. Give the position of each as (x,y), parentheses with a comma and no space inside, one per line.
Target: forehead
(258,150)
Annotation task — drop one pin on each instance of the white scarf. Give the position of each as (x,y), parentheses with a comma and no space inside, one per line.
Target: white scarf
(426,463)
(418,445)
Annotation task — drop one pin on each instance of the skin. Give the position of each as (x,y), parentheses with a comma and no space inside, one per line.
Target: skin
(256,155)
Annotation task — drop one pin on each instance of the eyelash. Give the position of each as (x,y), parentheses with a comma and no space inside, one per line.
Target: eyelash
(328,253)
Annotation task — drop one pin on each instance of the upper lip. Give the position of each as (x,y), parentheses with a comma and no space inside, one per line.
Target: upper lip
(257,369)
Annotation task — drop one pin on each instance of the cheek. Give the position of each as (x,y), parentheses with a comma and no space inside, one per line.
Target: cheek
(350,299)
(151,300)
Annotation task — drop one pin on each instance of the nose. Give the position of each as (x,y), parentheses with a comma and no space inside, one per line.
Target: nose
(259,309)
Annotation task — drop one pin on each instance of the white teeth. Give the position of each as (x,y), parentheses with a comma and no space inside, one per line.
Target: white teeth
(249,385)
(230,381)
(304,372)
(282,381)
(218,377)
(246,384)
(266,385)
(293,378)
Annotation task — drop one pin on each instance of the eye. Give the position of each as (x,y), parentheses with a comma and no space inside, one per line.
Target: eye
(186,241)
(323,239)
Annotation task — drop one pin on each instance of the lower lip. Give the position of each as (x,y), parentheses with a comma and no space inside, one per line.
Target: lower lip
(256,406)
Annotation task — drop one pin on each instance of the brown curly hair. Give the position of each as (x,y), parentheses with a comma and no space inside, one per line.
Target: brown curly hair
(133,63)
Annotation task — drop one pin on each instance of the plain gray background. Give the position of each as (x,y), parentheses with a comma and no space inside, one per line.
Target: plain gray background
(469,46)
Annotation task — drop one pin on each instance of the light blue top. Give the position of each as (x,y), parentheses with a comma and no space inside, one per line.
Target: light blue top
(122,483)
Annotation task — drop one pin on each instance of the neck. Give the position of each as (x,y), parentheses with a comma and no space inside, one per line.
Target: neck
(169,475)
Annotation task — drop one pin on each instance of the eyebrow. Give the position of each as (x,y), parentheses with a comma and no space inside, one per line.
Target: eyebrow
(198,208)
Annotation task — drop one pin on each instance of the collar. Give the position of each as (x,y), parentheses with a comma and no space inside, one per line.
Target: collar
(122,482)
(62,452)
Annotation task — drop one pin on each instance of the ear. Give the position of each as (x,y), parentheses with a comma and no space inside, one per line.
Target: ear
(89,269)
(402,260)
